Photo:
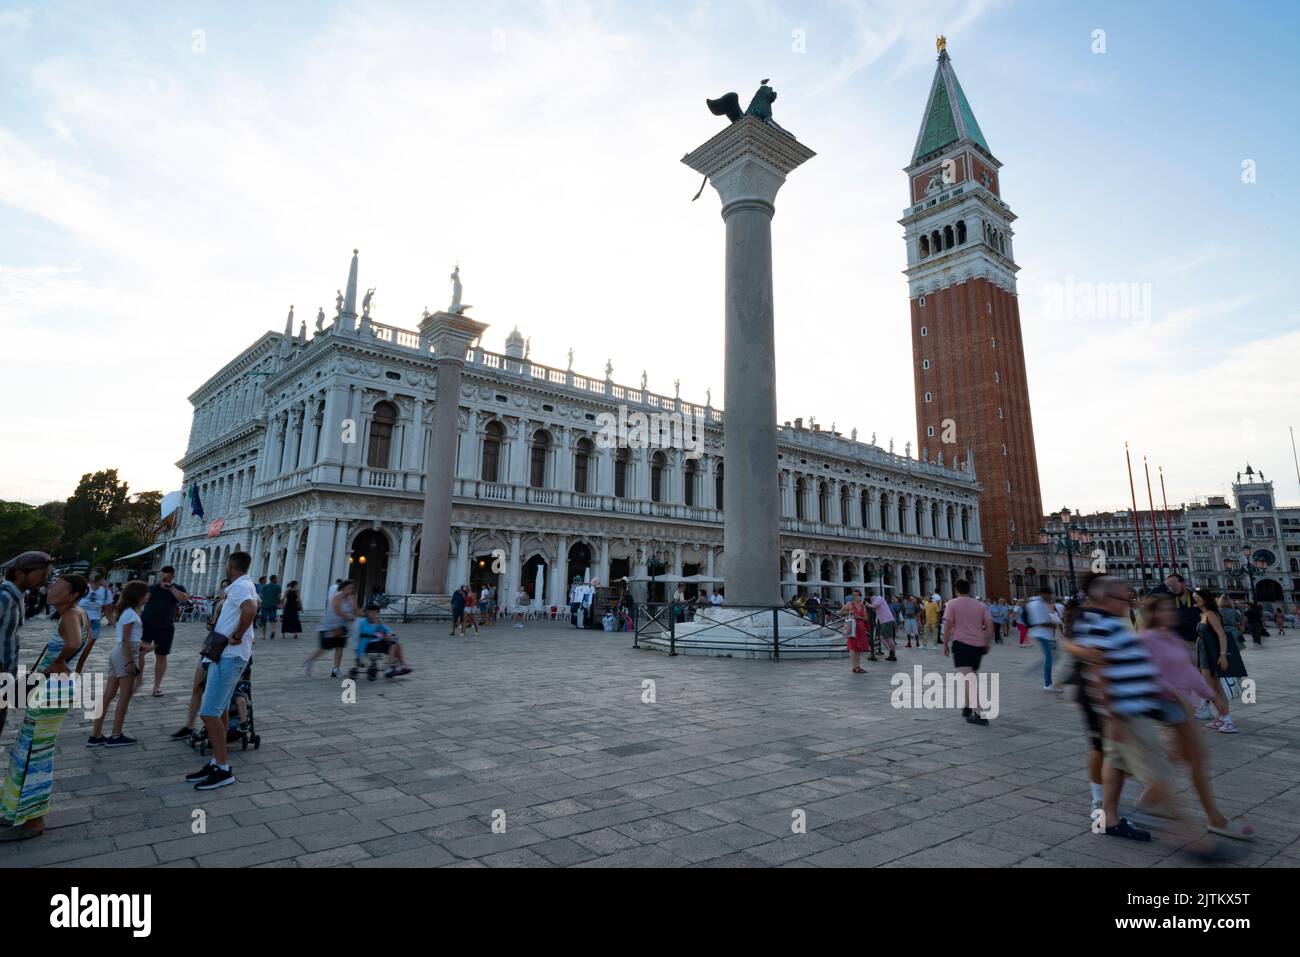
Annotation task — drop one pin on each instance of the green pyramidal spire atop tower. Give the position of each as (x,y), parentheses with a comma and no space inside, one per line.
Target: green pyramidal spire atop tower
(948,116)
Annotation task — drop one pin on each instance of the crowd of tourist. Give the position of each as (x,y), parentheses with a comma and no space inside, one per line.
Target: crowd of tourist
(1139,667)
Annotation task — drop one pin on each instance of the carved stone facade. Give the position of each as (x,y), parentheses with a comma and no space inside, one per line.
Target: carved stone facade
(313,453)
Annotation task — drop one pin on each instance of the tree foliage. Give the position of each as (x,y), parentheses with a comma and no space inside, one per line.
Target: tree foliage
(23,528)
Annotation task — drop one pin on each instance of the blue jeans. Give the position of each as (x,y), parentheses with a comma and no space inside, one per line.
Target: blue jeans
(1047,661)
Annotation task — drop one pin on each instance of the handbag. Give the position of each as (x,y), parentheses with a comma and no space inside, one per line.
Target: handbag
(213,645)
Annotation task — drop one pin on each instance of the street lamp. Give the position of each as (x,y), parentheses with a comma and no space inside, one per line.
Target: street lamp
(1251,564)
(1068,538)
(656,563)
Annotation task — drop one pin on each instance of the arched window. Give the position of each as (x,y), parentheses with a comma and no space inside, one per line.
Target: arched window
(961,231)
(948,242)
(381,435)
(884,511)
(621,460)
(717,486)
(902,514)
(951,528)
(864,507)
(845,506)
(936,242)
(582,457)
(965,525)
(657,465)
(537,458)
(925,246)
(919,511)
(799,489)
(688,485)
(492,437)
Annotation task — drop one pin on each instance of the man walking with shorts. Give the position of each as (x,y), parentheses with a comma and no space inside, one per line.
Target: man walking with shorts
(158,622)
(967,633)
(235,622)
(270,603)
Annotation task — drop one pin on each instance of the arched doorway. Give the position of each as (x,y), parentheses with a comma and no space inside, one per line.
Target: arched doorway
(481,573)
(1266,589)
(579,565)
(368,564)
(534,584)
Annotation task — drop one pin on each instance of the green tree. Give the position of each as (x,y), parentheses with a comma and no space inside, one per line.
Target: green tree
(98,504)
(23,527)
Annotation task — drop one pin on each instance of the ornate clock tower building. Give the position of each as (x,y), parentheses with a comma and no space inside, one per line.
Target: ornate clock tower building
(968,361)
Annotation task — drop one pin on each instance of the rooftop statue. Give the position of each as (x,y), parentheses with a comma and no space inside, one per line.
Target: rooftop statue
(457,308)
(708,397)
(609,368)
(644,380)
(570,359)
(760,106)
(320,319)
(365,303)
(338,303)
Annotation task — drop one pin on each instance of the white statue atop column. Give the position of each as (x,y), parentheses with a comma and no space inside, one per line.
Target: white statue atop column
(609,369)
(457,308)
(645,379)
(338,304)
(320,319)
(365,303)
(570,358)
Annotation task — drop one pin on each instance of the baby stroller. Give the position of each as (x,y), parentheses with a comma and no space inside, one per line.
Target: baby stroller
(246,732)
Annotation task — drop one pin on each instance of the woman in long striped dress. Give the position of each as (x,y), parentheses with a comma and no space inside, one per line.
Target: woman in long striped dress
(30,781)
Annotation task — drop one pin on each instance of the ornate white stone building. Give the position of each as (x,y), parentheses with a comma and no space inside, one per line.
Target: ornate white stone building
(311,452)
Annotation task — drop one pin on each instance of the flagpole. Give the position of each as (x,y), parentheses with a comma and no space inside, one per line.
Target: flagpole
(1137,530)
(1169,532)
(1155,533)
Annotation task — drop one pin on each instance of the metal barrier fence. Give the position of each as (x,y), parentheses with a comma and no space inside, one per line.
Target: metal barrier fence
(417,608)
(658,622)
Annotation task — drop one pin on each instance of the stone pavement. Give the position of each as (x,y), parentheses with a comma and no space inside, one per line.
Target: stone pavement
(545,729)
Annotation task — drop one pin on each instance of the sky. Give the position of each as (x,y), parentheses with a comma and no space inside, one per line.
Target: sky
(174,175)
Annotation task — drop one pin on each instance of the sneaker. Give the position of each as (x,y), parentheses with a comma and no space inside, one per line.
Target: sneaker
(1214,725)
(1203,713)
(95,741)
(119,741)
(1227,727)
(217,778)
(306,667)
(977,719)
(335,673)
(201,774)
(1053,689)
(182,734)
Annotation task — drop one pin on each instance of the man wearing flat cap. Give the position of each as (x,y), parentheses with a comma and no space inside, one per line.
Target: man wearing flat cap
(21,574)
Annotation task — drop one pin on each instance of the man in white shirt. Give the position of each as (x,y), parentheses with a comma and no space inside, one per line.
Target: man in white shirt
(235,622)
(716,600)
(1042,619)
(97,602)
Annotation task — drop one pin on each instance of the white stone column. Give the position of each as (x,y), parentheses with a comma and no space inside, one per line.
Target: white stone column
(399,581)
(291,553)
(450,335)
(603,574)
(747,163)
(559,585)
(511,587)
(339,552)
(316,578)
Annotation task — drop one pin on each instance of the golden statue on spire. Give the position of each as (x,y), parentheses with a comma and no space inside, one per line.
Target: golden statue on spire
(941,43)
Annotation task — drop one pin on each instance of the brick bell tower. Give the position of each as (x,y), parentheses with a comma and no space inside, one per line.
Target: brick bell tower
(967,357)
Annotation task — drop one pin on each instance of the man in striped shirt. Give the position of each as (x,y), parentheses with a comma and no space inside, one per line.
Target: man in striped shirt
(1126,682)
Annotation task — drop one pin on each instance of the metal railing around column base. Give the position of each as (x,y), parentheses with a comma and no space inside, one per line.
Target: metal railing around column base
(658,622)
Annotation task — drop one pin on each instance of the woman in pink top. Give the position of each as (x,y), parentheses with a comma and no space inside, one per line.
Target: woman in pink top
(1180,684)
